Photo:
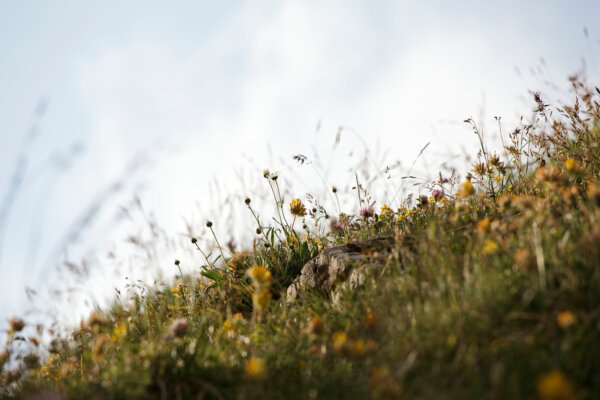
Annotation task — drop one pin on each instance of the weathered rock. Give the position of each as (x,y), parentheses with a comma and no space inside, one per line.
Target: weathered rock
(340,267)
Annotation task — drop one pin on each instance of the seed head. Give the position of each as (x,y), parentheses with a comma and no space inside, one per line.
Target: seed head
(258,231)
(247,200)
(334,189)
(194,240)
(208,224)
(176,262)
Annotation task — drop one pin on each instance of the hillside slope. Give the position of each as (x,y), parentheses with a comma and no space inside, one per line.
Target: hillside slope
(487,287)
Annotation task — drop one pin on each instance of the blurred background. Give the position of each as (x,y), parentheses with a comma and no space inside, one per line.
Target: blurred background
(124,125)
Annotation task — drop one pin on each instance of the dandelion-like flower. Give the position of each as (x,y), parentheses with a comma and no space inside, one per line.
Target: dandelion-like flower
(565,319)
(490,247)
(261,276)
(256,368)
(556,386)
(297,208)
(466,189)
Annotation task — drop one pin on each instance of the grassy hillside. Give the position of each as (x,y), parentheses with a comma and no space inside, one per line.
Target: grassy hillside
(491,290)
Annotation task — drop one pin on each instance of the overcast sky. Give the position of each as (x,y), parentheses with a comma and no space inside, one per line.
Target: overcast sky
(199,84)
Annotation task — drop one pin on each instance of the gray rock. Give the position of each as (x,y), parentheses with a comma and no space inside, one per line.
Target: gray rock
(340,267)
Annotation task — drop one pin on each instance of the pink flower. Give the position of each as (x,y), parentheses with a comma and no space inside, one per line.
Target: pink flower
(367,212)
(437,194)
(179,327)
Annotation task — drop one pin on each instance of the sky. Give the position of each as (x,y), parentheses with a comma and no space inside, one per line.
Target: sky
(104,101)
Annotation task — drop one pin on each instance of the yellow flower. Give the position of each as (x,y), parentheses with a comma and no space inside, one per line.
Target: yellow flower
(466,189)
(571,165)
(119,331)
(385,210)
(339,341)
(255,368)
(556,386)
(261,276)
(490,247)
(565,319)
(297,208)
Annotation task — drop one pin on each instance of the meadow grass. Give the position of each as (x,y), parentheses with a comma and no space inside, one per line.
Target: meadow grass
(492,290)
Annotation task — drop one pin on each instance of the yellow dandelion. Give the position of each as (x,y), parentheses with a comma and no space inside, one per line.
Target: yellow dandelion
(490,247)
(565,319)
(261,276)
(297,208)
(466,189)
(556,386)
(339,341)
(571,165)
(256,368)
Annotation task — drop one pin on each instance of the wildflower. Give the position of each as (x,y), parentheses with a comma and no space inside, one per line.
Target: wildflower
(490,247)
(16,324)
(422,200)
(266,173)
(178,289)
(238,261)
(297,208)
(479,169)
(358,348)
(260,276)
(466,189)
(556,386)
(483,226)
(119,331)
(565,319)
(385,210)
(339,341)
(571,165)
(437,194)
(178,327)
(255,368)
(367,212)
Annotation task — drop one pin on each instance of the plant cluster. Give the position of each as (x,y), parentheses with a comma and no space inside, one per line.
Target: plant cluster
(492,290)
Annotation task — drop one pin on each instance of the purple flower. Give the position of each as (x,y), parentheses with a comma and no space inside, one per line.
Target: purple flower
(437,194)
(422,200)
(179,327)
(367,212)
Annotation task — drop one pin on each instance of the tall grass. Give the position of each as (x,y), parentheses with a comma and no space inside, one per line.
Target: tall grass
(491,290)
